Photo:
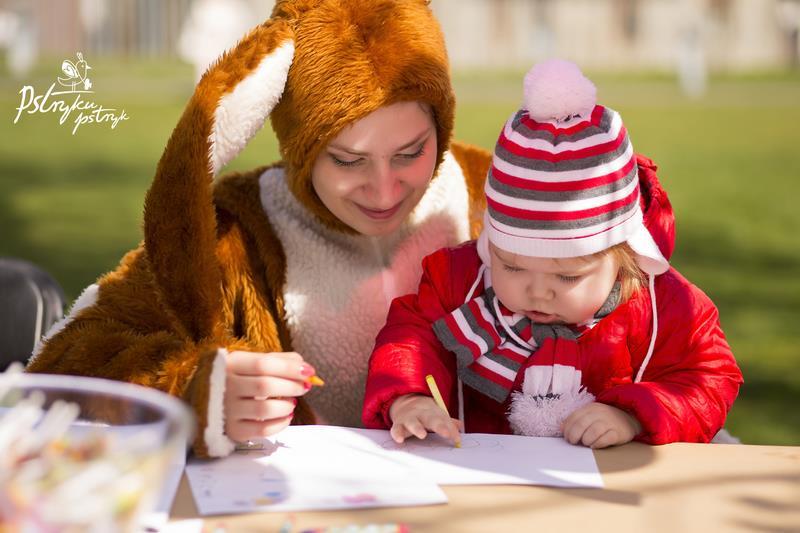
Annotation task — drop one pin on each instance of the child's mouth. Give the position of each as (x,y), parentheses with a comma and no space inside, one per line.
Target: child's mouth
(541,318)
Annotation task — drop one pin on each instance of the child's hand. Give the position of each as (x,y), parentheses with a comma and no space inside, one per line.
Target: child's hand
(413,414)
(261,391)
(598,425)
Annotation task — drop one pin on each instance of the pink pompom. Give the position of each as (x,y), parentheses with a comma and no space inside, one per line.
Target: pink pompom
(538,416)
(557,91)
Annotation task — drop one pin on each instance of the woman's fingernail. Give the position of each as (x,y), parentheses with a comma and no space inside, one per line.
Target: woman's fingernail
(306,385)
(307,370)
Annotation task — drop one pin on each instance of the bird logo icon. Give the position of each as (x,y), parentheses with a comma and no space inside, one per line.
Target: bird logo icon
(75,73)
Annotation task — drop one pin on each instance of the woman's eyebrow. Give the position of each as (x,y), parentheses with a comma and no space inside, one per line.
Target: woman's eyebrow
(347,150)
(351,151)
(416,140)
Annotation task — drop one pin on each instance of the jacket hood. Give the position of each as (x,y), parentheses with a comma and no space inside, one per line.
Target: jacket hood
(659,218)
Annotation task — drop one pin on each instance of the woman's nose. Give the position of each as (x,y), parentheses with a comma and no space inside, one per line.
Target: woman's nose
(384,186)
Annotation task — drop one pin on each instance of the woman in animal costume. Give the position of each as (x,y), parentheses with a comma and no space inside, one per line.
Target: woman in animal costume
(299,260)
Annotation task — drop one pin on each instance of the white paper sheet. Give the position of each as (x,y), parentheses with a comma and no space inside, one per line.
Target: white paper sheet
(485,459)
(308,468)
(326,467)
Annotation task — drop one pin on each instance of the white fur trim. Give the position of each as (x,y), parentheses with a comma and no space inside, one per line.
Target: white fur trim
(541,416)
(217,443)
(87,299)
(549,395)
(242,112)
(338,287)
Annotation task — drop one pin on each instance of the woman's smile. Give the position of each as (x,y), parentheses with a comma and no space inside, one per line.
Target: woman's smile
(380,214)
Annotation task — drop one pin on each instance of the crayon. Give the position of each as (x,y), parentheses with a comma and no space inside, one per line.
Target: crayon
(437,397)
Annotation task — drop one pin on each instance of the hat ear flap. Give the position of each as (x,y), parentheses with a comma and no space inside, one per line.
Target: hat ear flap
(230,104)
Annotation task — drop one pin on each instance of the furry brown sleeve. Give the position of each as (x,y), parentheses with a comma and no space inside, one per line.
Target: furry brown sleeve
(128,335)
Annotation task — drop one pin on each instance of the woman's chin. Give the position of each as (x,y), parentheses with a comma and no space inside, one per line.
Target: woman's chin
(377,229)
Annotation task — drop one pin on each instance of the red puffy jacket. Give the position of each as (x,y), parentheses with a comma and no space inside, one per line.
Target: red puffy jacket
(685,393)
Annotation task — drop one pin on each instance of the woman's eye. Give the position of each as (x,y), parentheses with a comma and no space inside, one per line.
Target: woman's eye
(415,155)
(509,268)
(568,279)
(343,163)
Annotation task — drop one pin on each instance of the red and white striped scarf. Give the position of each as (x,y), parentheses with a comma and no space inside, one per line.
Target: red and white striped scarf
(492,344)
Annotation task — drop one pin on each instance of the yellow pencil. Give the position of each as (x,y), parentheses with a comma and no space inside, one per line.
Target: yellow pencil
(316,380)
(437,397)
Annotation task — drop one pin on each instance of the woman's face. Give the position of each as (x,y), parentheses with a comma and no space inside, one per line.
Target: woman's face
(373,174)
(553,291)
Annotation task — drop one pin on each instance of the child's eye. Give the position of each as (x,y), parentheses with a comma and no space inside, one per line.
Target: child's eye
(509,268)
(568,279)
(342,163)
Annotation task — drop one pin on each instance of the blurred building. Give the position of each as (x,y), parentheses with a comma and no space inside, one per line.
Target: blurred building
(728,35)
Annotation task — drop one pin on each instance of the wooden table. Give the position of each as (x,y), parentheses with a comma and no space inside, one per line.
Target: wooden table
(674,488)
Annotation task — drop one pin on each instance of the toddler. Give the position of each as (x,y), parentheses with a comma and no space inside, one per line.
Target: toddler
(564,318)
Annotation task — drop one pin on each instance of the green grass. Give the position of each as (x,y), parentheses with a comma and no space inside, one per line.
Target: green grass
(73,203)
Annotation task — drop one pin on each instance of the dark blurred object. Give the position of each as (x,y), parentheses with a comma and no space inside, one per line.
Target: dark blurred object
(30,302)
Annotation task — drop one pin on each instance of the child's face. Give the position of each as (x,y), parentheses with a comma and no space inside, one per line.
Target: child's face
(373,174)
(568,291)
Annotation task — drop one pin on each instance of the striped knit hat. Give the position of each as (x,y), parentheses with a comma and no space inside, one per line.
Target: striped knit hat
(563,180)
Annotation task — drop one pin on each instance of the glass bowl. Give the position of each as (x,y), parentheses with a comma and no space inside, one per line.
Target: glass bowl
(84,454)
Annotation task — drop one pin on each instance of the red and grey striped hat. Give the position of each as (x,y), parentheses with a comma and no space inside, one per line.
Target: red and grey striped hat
(563,180)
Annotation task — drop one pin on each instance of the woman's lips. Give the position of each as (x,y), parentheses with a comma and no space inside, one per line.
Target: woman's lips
(380,214)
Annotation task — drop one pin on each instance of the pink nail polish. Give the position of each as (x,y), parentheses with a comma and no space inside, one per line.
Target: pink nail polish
(307,370)
(306,385)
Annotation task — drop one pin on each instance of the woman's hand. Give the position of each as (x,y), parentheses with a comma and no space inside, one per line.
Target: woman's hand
(261,391)
(598,425)
(415,414)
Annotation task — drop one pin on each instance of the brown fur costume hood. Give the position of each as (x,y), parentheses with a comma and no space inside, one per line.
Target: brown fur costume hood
(289,68)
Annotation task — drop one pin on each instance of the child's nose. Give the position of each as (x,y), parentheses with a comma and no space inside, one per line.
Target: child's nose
(539,290)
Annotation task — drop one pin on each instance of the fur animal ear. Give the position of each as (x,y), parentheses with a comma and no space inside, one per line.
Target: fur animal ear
(241,112)
(230,104)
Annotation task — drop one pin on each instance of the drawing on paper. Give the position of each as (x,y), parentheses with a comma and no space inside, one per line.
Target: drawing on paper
(436,443)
